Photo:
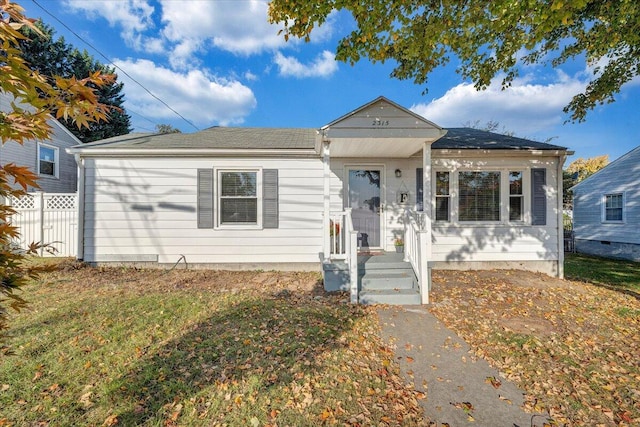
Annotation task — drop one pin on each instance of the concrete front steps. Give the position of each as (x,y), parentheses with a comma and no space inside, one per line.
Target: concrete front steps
(382,279)
(386,279)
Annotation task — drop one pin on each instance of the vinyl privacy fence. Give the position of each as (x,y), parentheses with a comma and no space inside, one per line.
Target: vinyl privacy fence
(50,218)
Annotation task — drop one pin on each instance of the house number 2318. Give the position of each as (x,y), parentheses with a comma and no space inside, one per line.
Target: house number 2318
(378,122)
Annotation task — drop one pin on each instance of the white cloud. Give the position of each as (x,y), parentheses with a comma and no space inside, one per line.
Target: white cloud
(249,76)
(524,108)
(323,66)
(191,26)
(203,99)
(134,16)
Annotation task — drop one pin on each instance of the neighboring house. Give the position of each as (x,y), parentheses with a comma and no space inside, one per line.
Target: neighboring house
(606,210)
(56,169)
(249,198)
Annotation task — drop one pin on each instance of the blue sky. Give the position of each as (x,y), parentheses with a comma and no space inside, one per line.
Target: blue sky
(220,62)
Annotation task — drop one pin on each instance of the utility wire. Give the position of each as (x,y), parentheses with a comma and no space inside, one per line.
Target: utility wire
(112,63)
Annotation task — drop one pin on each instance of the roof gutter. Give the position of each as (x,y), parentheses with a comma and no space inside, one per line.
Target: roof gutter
(191,152)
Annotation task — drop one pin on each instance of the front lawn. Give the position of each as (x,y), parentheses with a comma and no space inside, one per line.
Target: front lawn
(603,271)
(123,346)
(571,346)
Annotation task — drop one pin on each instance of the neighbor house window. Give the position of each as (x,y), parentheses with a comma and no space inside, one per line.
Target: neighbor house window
(479,196)
(443,196)
(238,197)
(613,207)
(47,160)
(516,197)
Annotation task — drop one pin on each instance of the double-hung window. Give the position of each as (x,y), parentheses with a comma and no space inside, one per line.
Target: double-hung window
(613,207)
(239,197)
(479,196)
(516,196)
(443,196)
(47,160)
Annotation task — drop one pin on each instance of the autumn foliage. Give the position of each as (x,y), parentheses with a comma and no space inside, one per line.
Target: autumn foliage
(33,100)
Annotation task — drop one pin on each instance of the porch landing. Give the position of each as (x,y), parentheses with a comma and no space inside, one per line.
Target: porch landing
(383,278)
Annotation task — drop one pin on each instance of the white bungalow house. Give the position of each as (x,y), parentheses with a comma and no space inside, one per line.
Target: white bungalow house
(334,199)
(606,210)
(56,169)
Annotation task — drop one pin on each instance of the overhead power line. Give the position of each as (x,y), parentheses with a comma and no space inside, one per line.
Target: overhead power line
(117,67)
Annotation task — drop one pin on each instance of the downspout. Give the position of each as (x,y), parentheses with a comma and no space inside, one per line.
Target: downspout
(428,209)
(80,242)
(326,167)
(561,159)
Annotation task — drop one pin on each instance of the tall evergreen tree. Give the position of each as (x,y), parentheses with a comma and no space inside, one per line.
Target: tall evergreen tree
(57,58)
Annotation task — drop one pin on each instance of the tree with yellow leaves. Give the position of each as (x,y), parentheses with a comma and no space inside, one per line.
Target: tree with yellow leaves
(35,98)
(587,167)
(578,170)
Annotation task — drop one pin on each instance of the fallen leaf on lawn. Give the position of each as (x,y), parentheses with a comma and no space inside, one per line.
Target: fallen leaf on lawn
(111,420)
(85,399)
(4,387)
(409,359)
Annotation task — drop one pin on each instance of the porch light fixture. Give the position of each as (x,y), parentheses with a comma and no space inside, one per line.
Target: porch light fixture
(398,173)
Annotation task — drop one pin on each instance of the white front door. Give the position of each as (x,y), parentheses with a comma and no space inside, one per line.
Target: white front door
(364,198)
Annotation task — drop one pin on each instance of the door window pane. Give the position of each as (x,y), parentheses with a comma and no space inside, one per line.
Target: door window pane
(364,200)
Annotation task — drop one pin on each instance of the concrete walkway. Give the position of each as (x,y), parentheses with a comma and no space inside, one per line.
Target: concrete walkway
(457,384)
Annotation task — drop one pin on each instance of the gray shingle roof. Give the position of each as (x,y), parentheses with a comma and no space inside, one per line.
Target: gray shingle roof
(469,138)
(217,137)
(301,138)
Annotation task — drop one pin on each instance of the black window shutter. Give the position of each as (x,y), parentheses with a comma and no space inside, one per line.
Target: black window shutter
(538,197)
(205,198)
(419,189)
(270,198)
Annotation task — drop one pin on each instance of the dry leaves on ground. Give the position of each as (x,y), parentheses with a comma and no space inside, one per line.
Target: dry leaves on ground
(572,347)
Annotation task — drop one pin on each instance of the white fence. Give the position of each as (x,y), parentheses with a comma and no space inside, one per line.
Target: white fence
(50,218)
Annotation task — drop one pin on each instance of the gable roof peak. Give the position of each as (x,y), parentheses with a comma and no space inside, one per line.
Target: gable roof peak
(378,100)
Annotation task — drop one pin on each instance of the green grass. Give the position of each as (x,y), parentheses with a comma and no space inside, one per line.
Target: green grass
(134,347)
(603,271)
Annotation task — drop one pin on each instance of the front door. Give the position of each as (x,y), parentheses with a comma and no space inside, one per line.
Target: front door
(364,200)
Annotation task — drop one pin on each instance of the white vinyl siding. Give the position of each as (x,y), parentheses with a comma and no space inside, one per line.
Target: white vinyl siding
(149,207)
